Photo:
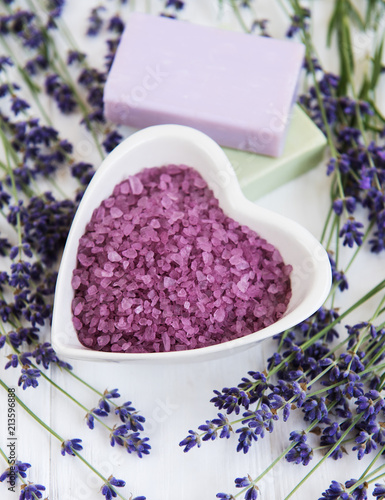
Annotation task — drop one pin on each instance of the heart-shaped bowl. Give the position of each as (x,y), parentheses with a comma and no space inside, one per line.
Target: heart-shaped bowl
(175,144)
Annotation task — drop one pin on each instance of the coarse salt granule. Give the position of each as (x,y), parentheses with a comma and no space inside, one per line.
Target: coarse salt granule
(160,267)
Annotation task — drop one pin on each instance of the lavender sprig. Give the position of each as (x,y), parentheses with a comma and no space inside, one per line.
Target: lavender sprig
(132,420)
(72,447)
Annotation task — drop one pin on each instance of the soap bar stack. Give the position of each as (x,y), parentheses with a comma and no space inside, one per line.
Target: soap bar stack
(304,148)
(237,88)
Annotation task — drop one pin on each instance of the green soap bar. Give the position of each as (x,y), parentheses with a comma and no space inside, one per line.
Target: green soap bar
(258,175)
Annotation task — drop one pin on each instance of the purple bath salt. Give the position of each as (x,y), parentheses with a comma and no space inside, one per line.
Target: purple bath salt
(161,267)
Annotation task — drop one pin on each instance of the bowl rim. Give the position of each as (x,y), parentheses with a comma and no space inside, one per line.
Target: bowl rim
(230,186)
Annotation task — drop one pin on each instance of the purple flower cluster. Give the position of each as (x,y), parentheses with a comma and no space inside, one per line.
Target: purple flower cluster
(42,222)
(250,489)
(260,26)
(299,21)
(301,453)
(348,491)
(95,21)
(92,80)
(71,446)
(359,165)
(29,29)
(22,23)
(172,8)
(42,152)
(31,491)
(42,354)
(131,441)
(38,221)
(17,471)
(109,492)
(348,400)
(61,93)
(108,489)
(126,434)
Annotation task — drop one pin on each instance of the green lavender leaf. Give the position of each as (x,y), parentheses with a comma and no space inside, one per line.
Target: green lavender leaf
(365,88)
(377,64)
(374,11)
(332,26)
(370,9)
(354,14)
(345,53)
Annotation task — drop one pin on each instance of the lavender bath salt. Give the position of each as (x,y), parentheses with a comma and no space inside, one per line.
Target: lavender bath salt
(160,267)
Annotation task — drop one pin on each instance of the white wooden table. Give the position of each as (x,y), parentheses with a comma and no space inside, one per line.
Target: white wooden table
(175,398)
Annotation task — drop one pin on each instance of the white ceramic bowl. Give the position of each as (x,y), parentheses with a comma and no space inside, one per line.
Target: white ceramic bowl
(175,144)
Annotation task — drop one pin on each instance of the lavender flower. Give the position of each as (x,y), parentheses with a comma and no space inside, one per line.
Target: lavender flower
(315,408)
(104,405)
(83,172)
(112,140)
(31,491)
(370,404)
(232,399)
(90,420)
(379,491)
(298,22)
(75,56)
(116,24)
(45,355)
(301,453)
(18,469)
(4,62)
(70,446)
(329,437)
(245,482)
(28,378)
(99,412)
(336,491)
(358,493)
(338,277)
(212,427)
(19,105)
(246,438)
(135,444)
(131,441)
(261,419)
(365,444)
(61,93)
(108,489)
(176,4)
(193,439)
(351,233)
(14,359)
(95,21)
(130,417)
(118,434)
(46,225)
(260,25)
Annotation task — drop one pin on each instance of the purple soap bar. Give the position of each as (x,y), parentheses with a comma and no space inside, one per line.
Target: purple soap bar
(237,88)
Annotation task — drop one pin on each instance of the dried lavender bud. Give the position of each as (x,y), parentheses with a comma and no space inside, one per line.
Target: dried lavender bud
(31,491)
(18,469)
(108,488)
(68,447)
